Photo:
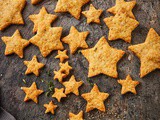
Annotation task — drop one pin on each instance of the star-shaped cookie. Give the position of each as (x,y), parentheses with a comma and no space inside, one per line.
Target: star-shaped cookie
(72,86)
(128,85)
(33,2)
(15,44)
(50,107)
(65,68)
(120,26)
(103,59)
(58,75)
(10,12)
(71,6)
(47,39)
(62,55)
(79,116)
(42,18)
(32,93)
(92,14)
(59,94)
(126,6)
(95,99)
(33,66)
(148,53)
(76,39)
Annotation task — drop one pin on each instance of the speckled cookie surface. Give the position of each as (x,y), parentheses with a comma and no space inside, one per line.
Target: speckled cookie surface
(10,12)
(103,59)
(15,44)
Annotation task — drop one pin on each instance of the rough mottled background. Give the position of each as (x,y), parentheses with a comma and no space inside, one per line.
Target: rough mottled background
(143,106)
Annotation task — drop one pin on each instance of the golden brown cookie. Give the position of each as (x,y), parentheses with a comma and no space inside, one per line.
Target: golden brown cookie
(42,18)
(32,93)
(58,75)
(120,26)
(65,68)
(93,14)
(79,116)
(15,44)
(58,94)
(128,85)
(103,59)
(33,2)
(71,6)
(95,99)
(126,6)
(62,55)
(50,107)
(33,66)
(72,86)
(47,39)
(10,12)
(148,53)
(76,39)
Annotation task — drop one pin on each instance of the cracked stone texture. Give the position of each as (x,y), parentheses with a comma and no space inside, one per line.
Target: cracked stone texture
(143,106)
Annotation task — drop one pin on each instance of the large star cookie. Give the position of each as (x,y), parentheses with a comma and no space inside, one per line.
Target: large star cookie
(95,99)
(128,85)
(93,14)
(71,6)
(35,1)
(33,66)
(79,116)
(126,6)
(76,39)
(50,107)
(10,12)
(59,94)
(72,86)
(62,55)
(103,59)
(15,44)
(47,39)
(148,53)
(32,92)
(42,18)
(120,26)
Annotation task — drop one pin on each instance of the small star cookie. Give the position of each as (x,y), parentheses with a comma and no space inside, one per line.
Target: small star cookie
(58,75)
(103,59)
(59,94)
(148,53)
(35,1)
(120,26)
(33,66)
(92,14)
(62,55)
(42,18)
(95,99)
(72,86)
(50,107)
(32,93)
(71,6)
(126,6)
(76,39)
(15,44)
(79,116)
(65,68)
(10,12)
(47,39)
(128,85)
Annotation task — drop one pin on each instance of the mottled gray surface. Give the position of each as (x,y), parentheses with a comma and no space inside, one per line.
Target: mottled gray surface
(143,106)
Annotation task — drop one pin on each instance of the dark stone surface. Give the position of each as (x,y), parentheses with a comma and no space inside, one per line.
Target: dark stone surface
(143,106)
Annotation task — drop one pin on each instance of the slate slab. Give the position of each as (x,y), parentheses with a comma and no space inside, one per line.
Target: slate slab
(143,106)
